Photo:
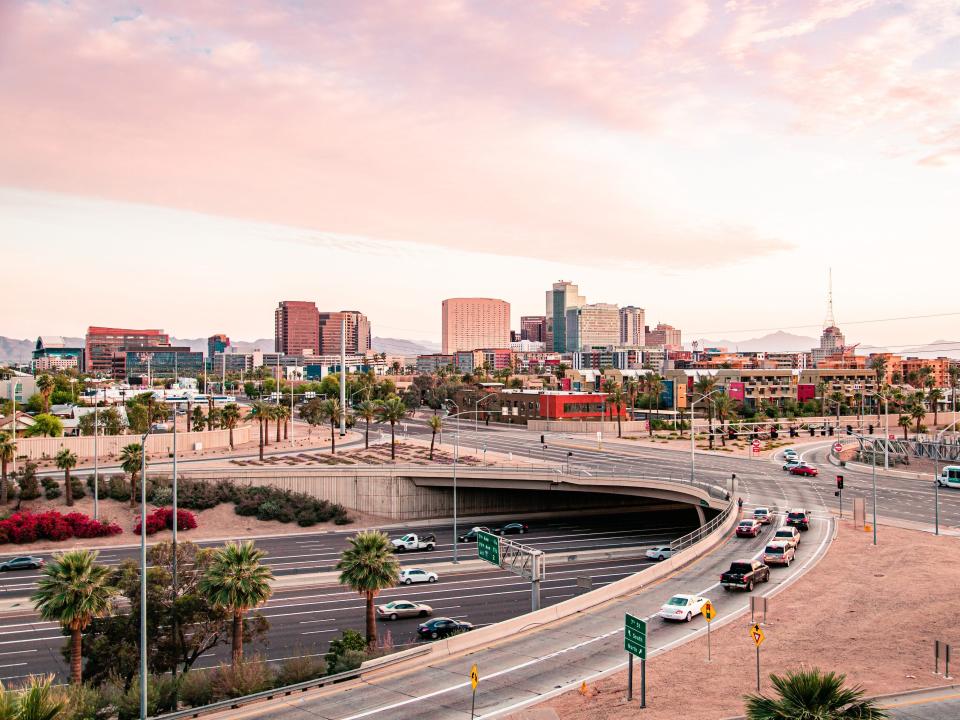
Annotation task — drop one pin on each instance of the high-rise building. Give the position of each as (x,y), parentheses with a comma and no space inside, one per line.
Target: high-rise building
(217,344)
(475,323)
(296,328)
(560,298)
(533,327)
(103,342)
(358,332)
(665,336)
(633,326)
(592,326)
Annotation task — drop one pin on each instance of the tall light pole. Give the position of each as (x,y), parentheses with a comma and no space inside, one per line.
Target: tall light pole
(143,574)
(456,453)
(96,455)
(693,447)
(343,375)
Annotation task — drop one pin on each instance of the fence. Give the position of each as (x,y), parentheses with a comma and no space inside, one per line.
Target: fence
(691,538)
(109,446)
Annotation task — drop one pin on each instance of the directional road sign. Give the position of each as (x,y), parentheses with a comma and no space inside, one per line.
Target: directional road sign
(756,632)
(488,547)
(709,611)
(474,676)
(635,636)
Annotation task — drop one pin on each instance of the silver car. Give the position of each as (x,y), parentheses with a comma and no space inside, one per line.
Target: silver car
(402,609)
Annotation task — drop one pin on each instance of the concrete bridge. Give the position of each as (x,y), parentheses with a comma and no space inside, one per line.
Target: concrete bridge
(421,492)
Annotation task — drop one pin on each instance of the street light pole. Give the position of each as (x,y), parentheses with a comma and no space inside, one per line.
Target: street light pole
(693,404)
(456,453)
(96,456)
(143,574)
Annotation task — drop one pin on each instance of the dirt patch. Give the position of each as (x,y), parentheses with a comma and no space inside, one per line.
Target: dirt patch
(215,523)
(870,612)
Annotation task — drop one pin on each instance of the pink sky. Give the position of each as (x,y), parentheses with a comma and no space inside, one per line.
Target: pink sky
(596,131)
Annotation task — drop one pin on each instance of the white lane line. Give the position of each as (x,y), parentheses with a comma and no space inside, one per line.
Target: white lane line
(308,622)
(30,640)
(17,652)
(317,632)
(14,664)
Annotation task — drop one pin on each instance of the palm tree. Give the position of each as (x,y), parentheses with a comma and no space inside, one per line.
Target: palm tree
(8,451)
(822,393)
(392,410)
(904,421)
(277,413)
(723,407)
(261,411)
(237,582)
(73,590)
(706,385)
(616,398)
(954,373)
(331,411)
(812,694)
(917,409)
(131,460)
(879,365)
(368,411)
(45,386)
(66,460)
(934,396)
(435,424)
(230,417)
(368,566)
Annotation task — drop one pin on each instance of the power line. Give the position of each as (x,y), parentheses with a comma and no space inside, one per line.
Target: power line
(807,327)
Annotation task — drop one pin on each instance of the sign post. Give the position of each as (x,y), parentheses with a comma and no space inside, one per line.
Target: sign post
(635,643)
(488,547)
(758,637)
(709,613)
(755,445)
(839,493)
(474,681)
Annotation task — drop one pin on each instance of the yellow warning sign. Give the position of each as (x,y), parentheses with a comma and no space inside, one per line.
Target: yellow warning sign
(757,634)
(709,611)
(474,676)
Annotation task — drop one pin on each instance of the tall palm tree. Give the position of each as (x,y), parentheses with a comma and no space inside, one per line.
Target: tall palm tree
(954,373)
(879,365)
(368,566)
(616,398)
(277,412)
(332,412)
(904,421)
(917,409)
(392,410)
(723,407)
(934,396)
(435,423)
(73,590)
(131,460)
(66,461)
(705,385)
(8,451)
(367,410)
(822,394)
(261,411)
(814,695)
(237,582)
(230,417)
(45,386)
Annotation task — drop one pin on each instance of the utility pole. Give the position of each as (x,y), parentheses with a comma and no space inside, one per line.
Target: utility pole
(143,574)
(96,455)
(343,375)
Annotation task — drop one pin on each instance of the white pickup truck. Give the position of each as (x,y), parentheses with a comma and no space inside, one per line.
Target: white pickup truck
(412,541)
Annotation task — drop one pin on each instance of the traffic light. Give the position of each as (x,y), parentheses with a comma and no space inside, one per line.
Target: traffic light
(871,429)
(543,439)
(812,432)
(830,430)
(849,429)
(839,482)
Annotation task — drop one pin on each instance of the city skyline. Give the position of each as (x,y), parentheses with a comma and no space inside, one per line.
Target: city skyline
(588,157)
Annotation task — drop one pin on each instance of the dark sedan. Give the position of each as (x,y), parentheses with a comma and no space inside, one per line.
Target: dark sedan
(26,562)
(442,627)
(472,535)
(514,529)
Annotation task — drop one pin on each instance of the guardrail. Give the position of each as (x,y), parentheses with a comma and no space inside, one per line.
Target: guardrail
(233,703)
(691,538)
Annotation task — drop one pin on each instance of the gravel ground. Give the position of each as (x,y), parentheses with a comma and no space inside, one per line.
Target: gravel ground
(872,613)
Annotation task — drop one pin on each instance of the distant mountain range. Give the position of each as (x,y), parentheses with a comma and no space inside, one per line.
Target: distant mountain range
(13,350)
(774,342)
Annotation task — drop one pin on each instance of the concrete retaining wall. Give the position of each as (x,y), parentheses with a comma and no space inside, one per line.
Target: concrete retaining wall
(109,446)
(582,426)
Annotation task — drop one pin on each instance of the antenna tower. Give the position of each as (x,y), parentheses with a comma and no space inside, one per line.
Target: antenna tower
(829,321)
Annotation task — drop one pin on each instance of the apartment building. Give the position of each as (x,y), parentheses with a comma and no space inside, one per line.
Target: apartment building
(473,323)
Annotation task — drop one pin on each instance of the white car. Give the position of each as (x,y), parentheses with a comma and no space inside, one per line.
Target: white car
(791,463)
(790,454)
(682,607)
(659,552)
(416,575)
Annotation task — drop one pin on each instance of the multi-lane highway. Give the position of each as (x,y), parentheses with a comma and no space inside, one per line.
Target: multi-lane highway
(306,619)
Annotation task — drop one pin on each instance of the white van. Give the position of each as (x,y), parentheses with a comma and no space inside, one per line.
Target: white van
(950,476)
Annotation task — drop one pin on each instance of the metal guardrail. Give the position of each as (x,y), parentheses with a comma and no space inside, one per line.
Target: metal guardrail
(233,703)
(691,538)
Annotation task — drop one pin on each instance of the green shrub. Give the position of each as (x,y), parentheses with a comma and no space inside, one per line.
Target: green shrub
(196,688)
(349,660)
(85,703)
(248,677)
(161,694)
(306,517)
(197,495)
(299,669)
(164,496)
(349,641)
(275,510)
(51,488)
(118,488)
(246,508)
(77,487)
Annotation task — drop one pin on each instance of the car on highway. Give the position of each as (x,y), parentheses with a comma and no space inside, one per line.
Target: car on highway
(514,528)
(804,469)
(659,552)
(682,607)
(744,574)
(748,528)
(790,454)
(442,627)
(412,541)
(471,536)
(949,477)
(762,515)
(402,609)
(408,576)
(798,518)
(24,562)
(787,534)
(778,553)
(791,463)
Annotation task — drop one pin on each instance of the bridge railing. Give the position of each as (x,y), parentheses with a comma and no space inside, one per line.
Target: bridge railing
(691,538)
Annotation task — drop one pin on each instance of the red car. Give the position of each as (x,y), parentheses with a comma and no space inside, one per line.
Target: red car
(804,470)
(748,528)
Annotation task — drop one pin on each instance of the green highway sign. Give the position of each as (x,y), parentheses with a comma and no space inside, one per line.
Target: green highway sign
(635,636)
(488,546)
